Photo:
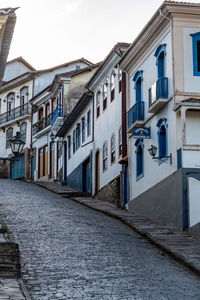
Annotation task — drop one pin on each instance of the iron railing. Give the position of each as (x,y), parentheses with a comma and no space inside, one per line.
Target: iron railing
(15,113)
(41,124)
(136,113)
(58,112)
(158,90)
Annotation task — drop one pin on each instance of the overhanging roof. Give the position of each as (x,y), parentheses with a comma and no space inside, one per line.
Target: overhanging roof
(72,117)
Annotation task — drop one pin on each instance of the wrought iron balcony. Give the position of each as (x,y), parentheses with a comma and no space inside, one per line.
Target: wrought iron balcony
(15,113)
(136,113)
(157,92)
(58,112)
(42,124)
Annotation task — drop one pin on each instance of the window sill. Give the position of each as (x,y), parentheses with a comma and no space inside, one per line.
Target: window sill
(139,176)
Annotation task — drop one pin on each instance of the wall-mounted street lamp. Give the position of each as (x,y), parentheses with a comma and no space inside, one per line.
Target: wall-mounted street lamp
(52,137)
(153,150)
(17,146)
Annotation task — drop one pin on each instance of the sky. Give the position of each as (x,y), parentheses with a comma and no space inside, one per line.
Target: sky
(52,32)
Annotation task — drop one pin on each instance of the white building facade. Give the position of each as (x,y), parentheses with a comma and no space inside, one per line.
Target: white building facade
(162,67)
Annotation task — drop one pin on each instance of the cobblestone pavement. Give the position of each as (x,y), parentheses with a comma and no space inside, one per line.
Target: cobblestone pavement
(71,252)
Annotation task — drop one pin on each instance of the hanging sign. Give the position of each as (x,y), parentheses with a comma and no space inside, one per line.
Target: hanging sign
(142,132)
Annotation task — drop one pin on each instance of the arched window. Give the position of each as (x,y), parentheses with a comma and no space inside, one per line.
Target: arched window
(105,156)
(9,134)
(162,138)
(24,95)
(139,159)
(105,95)
(11,105)
(23,131)
(112,144)
(160,60)
(138,77)
(98,95)
(112,86)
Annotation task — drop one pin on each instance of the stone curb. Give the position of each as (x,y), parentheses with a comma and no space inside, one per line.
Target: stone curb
(147,235)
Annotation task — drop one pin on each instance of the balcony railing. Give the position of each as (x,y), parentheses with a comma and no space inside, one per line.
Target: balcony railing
(159,90)
(58,112)
(15,113)
(136,113)
(41,124)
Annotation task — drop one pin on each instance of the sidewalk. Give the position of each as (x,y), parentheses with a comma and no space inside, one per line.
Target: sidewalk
(177,244)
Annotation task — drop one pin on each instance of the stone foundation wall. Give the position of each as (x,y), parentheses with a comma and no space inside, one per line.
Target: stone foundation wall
(4,170)
(111,192)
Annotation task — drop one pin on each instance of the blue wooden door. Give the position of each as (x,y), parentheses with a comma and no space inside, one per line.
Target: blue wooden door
(17,167)
(86,177)
(32,166)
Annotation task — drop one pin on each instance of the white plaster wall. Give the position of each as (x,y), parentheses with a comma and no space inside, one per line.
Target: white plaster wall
(108,123)
(82,153)
(153,171)
(4,152)
(44,79)
(16,90)
(191,159)
(192,127)
(14,69)
(194,201)
(147,63)
(191,82)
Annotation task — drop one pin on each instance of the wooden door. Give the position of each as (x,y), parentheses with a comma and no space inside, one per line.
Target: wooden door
(51,160)
(45,157)
(40,163)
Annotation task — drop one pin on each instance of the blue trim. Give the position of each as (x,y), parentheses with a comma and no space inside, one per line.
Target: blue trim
(161,48)
(161,122)
(195,39)
(139,159)
(162,140)
(137,75)
(179,158)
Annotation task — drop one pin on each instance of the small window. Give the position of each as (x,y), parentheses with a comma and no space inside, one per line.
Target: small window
(74,140)
(11,105)
(112,87)
(78,136)
(78,67)
(120,141)
(105,95)
(98,95)
(139,159)
(23,131)
(69,146)
(112,149)
(105,156)
(9,134)
(83,129)
(88,123)
(196,53)
(24,95)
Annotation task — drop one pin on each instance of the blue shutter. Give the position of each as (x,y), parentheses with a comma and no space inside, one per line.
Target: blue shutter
(162,142)
(179,158)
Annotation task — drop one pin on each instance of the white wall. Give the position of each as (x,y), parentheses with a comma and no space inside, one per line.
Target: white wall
(194,201)
(192,127)
(14,70)
(108,123)
(82,152)
(147,63)
(44,79)
(191,82)
(153,171)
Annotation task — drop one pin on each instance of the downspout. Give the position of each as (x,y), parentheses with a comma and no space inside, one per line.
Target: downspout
(31,143)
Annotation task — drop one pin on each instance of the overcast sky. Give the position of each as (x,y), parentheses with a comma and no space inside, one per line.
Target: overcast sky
(52,32)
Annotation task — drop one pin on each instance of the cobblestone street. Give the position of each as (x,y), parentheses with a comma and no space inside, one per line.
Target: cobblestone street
(71,252)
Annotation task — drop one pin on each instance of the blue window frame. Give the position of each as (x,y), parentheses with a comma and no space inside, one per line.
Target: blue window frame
(196,53)
(78,136)
(74,140)
(160,60)
(139,159)
(138,77)
(179,158)
(162,139)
